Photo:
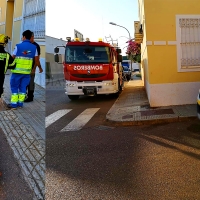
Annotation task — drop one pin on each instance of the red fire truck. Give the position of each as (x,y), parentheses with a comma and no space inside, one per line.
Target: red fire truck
(91,68)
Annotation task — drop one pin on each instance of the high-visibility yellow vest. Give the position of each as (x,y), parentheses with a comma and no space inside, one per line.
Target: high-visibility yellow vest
(24,57)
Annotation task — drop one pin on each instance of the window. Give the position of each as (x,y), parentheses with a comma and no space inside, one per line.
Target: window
(34,17)
(188,38)
(90,54)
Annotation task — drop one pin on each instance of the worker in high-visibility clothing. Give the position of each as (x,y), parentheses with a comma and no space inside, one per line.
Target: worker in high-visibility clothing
(24,53)
(6,61)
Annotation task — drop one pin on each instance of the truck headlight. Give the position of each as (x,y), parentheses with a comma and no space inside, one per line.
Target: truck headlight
(70,84)
(113,83)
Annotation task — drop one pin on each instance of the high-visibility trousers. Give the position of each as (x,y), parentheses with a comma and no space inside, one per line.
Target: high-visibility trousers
(18,84)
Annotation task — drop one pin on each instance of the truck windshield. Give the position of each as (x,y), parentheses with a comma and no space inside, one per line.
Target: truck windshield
(87,54)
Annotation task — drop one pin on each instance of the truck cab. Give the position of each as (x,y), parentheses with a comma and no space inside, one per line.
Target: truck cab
(91,68)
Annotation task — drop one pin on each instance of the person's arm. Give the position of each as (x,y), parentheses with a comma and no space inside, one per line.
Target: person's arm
(39,66)
(14,52)
(36,62)
(11,62)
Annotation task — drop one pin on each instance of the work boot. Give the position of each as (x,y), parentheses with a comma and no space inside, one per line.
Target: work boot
(9,107)
(28,99)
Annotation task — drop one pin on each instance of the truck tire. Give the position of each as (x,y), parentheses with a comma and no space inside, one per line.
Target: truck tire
(116,95)
(73,97)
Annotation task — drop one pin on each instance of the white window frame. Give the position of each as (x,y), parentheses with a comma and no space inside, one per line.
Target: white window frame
(179,51)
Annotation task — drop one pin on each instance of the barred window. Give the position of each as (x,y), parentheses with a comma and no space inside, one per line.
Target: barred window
(188,36)
(34,17)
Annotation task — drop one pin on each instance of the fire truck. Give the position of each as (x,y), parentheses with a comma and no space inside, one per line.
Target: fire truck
(91,68)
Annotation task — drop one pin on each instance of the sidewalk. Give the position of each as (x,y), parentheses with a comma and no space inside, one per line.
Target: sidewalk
(25,132)
(132,108)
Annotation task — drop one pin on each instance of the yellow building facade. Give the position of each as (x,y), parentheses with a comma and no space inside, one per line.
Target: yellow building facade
(17,16)
(170,50)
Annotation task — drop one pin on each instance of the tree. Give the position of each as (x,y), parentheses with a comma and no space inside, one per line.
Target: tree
(134,51)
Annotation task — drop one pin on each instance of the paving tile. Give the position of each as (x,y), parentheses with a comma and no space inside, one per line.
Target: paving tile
(133,106)
(24,129)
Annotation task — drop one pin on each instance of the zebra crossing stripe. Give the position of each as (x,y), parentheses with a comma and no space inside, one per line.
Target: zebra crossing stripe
(55,116)
(80,120)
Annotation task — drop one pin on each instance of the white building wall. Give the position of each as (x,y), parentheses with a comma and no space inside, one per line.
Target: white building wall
(52,42)
(40,77)
(54,70)
(173,93)
(34,20)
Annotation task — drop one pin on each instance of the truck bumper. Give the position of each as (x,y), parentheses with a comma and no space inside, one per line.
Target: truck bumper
(91,88)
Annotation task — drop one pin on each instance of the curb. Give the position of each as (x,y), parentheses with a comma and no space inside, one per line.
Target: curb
(149,122)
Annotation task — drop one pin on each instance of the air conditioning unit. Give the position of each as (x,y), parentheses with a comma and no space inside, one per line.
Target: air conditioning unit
(137,26)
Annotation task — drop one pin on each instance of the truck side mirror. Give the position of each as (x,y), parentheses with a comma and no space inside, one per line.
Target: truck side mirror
(119,58)
(56,58)
(56,50)
(119,50)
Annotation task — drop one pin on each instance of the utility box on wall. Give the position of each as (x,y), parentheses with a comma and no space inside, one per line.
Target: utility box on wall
(137,26)
(138,32)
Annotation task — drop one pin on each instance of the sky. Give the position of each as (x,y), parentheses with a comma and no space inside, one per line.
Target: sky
(91,18)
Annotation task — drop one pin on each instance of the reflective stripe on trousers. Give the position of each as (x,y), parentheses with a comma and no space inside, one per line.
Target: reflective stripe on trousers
(14,100)
(18,84)
(17,99)
(21,97)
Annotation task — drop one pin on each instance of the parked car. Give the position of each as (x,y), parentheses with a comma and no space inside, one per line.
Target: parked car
(198,105)
(127,73)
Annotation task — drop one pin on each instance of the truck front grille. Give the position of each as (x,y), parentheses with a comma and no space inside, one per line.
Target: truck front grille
(88,76)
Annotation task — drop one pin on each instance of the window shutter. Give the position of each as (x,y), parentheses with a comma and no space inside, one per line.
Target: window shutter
(190,42)
(34,17)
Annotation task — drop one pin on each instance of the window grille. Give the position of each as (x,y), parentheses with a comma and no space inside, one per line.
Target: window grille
(189,42)
(34,17)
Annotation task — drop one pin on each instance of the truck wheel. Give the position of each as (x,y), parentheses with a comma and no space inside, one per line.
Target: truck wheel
(73,97)
(116,95)
(128,78)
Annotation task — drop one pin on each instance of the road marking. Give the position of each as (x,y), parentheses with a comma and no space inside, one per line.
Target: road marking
(55,116)
(80,120)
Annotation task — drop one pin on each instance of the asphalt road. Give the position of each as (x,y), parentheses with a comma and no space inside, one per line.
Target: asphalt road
(103,162)
(57,100)
(12,184)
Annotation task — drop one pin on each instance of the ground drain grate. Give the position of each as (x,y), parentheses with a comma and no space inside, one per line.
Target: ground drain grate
(127,116)
(157,112)
(103,128)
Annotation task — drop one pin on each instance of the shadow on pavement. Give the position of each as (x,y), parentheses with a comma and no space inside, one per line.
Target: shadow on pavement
(12,183)
(132,161)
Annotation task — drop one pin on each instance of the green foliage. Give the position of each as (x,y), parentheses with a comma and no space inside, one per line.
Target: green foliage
(135,58)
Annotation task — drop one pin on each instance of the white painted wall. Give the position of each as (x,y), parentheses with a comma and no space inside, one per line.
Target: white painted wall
(55,68)
(172,93)
(52,42)
(40,77)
